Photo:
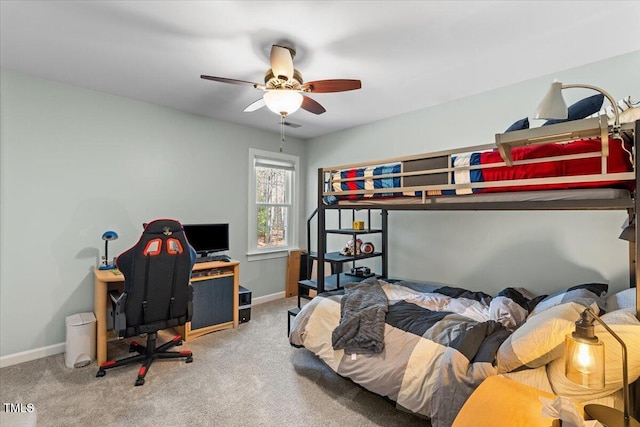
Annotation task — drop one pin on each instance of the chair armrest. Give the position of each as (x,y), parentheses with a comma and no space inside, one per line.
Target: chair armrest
(190,303)
(118,301)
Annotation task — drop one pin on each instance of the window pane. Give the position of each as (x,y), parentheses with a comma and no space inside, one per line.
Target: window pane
(272,201)
(272,226)
(271,185)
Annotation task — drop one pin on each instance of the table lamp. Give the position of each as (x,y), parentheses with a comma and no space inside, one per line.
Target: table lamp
(584,365)
(107,236)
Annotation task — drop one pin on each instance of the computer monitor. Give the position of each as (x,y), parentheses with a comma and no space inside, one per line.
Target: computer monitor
(207,239)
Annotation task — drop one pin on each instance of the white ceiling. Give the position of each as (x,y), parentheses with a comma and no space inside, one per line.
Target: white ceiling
(408,54)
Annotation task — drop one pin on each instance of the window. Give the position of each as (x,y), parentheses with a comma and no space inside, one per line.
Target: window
(273,212)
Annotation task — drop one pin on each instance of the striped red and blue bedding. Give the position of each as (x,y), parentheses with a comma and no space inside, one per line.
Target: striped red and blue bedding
(618,160)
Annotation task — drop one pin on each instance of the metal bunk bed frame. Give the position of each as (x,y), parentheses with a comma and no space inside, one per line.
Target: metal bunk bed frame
(555,133)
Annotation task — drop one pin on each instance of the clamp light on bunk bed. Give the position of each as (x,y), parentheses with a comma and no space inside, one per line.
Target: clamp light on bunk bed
(584,365)
(553,106)
(629,231)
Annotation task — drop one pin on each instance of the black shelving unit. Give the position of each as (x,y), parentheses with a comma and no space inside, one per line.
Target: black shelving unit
(338,278)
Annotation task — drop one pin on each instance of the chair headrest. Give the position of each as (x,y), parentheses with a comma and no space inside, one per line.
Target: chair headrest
(163,226)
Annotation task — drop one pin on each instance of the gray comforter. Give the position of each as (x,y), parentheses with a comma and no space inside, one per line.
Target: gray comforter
(439,344)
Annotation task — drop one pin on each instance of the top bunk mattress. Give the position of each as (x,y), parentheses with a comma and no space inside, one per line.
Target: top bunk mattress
(538,173)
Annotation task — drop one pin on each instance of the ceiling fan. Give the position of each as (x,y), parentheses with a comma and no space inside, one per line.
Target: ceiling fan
(284,90)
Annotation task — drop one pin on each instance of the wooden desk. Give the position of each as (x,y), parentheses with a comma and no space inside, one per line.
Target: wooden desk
(106,280)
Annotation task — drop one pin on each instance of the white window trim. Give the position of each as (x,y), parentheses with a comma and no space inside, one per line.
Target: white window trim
(254,254)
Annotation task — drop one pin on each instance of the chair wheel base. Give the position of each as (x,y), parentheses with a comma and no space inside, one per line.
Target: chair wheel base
(146,355)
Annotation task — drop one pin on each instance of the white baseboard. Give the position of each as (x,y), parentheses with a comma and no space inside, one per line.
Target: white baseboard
(29,355)
(267,298)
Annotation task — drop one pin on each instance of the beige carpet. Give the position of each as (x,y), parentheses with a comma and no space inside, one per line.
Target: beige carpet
(250,376)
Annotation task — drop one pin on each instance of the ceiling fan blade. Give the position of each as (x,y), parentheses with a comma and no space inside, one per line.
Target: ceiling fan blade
(311,105)
(281,62)
(255,105)
(232,81)
(335,85)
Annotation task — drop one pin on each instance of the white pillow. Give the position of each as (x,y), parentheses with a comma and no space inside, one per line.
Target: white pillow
(622,299)
(625,324)
(585,294)
(540,339)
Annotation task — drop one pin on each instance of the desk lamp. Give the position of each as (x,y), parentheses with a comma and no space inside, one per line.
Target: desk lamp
(107,237)
(584,365)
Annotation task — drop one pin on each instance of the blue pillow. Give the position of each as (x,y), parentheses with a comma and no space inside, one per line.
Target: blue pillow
(581,109)
(519,125)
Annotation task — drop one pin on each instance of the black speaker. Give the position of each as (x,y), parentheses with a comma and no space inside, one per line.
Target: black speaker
(244,304)
(245,315)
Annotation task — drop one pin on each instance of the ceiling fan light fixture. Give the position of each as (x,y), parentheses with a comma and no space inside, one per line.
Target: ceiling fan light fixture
(283,102)
(284,89)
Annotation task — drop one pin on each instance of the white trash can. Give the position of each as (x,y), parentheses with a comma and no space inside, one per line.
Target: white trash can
(81,340)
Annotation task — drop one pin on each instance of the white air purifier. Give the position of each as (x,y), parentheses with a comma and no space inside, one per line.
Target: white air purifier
(80,347)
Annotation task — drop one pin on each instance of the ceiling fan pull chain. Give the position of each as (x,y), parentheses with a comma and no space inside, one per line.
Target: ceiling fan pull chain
(282,132)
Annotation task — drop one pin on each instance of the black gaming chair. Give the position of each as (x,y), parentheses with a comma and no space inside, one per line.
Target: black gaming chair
(157,294)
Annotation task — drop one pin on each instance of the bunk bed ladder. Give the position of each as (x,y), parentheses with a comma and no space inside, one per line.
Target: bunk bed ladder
(306,283)
(310,254)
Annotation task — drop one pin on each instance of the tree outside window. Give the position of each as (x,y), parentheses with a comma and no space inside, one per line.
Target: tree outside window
(272,196)
(273,205)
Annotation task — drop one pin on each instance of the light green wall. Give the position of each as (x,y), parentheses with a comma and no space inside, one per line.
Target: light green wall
(75,163)
(543,251)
